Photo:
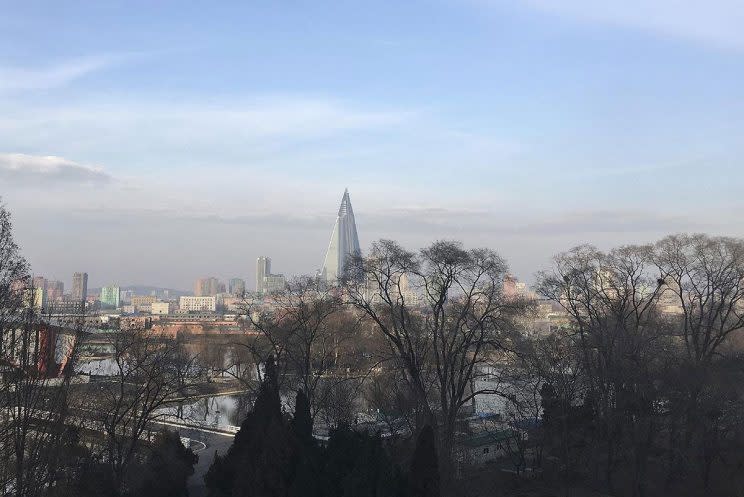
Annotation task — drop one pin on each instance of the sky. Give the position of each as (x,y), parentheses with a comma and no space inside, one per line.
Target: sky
(154,143)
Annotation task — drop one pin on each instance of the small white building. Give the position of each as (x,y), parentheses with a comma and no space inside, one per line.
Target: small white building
(160,308)
(482,448)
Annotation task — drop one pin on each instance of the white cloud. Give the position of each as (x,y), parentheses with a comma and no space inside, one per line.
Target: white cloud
(41,170)
(717,22)
(14,79)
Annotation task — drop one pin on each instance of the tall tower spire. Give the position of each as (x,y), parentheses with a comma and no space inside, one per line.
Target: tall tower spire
(344,241)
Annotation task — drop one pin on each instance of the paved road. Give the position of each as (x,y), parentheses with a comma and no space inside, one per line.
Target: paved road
(214,442)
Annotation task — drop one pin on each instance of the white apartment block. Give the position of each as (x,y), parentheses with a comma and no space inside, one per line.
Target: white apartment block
(160,308)
(273,283)
(198,303)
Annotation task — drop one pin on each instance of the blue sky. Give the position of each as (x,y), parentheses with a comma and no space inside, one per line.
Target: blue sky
(154,143)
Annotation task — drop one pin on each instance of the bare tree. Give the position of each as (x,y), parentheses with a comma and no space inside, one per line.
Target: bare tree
(148,373)
(521,417)
(306,328)
(34,421)
(704,278)
(459,325)
(391,401)
(554,364)
(14,278)
(612,299)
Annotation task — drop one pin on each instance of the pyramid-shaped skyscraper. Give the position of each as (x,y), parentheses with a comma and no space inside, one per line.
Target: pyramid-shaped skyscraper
(344,241)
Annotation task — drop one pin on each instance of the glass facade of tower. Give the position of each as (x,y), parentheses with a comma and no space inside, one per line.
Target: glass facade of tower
(344,241)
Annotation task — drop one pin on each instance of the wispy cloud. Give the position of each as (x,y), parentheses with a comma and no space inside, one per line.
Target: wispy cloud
(717,22)
(43,170)
(14,79)
(607,221)
(191,123)
(454,222)
(404,222)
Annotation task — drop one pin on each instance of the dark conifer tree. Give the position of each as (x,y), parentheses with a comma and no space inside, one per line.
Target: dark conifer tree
(339,459)
(373,474)
(271,457)
(302,422)
(259,461)
(167,469)
(307,463)
(423,480)
(356,464)
(219,477)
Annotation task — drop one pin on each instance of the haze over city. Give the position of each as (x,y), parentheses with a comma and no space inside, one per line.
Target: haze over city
(158,145)
(443,248)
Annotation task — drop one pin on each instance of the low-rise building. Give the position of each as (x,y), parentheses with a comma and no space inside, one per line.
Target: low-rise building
(481,448)
(233,304)
(143,300)
(66,305)
(160,308)
(274,283)
(135,323)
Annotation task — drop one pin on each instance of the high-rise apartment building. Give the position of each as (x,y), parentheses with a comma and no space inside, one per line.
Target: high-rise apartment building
(344,241)
(265,281)
(263,269)
(39,287)
(80,286)
(110,296)
(237,287)
(201,287)
(126,296)
(39,282)
(34,298)
(205,287)
(55,290)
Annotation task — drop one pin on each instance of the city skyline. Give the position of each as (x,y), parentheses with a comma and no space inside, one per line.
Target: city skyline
(155,150)
(538,290)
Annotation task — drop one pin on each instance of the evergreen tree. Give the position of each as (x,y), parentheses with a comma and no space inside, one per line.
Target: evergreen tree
(167,468)
(271,457)
(423,480)
(340,456)
(259,461)
(373,474)
(307,464)
(302,422)
(357,465)
(219,477)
